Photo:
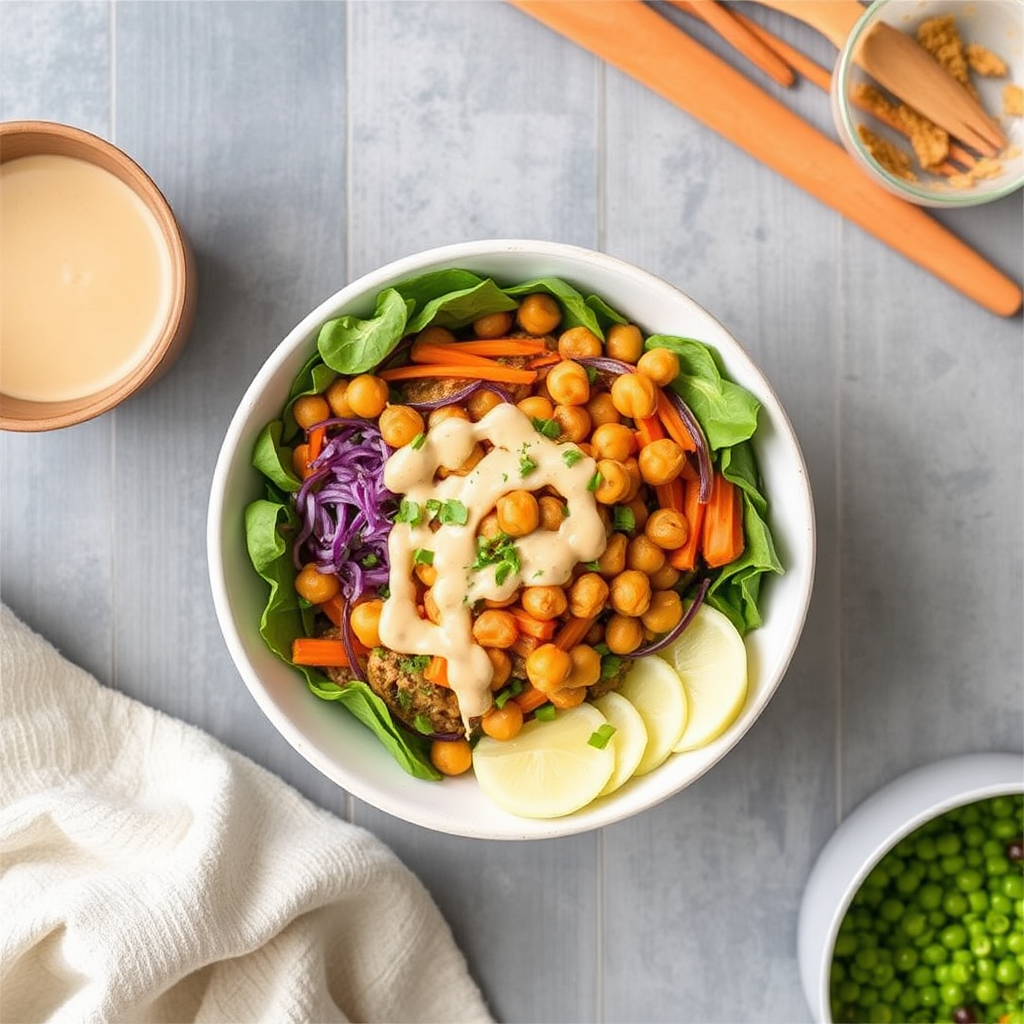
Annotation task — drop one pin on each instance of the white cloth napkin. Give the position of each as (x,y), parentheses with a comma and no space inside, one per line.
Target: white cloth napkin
(151,874)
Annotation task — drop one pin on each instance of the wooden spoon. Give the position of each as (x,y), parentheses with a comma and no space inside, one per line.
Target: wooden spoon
(900,64)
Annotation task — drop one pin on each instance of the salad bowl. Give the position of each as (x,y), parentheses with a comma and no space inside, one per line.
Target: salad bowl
(335,742)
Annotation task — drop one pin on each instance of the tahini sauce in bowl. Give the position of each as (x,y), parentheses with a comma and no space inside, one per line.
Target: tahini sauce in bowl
(96,280)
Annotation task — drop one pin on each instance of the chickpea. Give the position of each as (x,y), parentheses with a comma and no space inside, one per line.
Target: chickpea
(586,666)
(665,578)
(544,603)
(644,555)
(635,395)
(668,528)
(587,596)
(495,628)
(568,697)
(568,383)
(365,622)
(489,528)
(613,561)
(536,407)
(552,512)
(308,410)
(518,513)
(446,412)
(573,422)
(300,461)
(481,402)
(399,425)
(630,593)
(474,457)
(548,668)
(586,448)
(661,461)
(501,665)
(664,613)
(451,757)
(595,635)
(613,441)
(602,409)
(504,723)
(539,313)
(661,365)
(431,608)
(640,512)
(367,395)
(492,325)
(614,484)
(337,400)
(636,481)
(506,602)
(625,342)
(579,343)
(623,634)
(435,336)
(315,586)
(426,574)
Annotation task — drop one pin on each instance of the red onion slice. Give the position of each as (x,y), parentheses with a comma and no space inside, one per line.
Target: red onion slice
(673,634)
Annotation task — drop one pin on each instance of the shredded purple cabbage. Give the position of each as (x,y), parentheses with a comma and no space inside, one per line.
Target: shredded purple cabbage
(345,509)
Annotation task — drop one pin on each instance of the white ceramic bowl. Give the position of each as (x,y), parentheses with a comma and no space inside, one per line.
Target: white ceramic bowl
(336,743)
(995,24)
(873,829)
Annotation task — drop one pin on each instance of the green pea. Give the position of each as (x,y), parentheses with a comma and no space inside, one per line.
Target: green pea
(974,835)
(997,923)
(848,991)
(951,993)
(908,1000)
(960,973)
(943,973)
(925,849)
(986,991)
(891,910)
(1005,829)
(846,945)
(914,923)
(993,848)
(868,997)
(929,896)
(1015,942)
(999,904)
(921,975)
(954,936)
(934,954)
(948,844)
(928,995)
(970,880)
(984,967)
(1013,887)
(955,903)
(981,945)
(882,975)
(936,918)
(905,959)
(880,1014)
(1002,806)
(1008,972)
(953,865)
(908,882)
(978,901)
(866,958)
(836,972)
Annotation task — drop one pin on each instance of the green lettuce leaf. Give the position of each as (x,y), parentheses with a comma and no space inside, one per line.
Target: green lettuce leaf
(458,308)
(352,346)
(726,411)
(273,459)
(576,312)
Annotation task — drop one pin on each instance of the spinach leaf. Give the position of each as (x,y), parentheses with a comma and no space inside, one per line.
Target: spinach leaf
(352,346)
(727,411)
(739,466)
(411,752)
(273,459)
(576,312)
(458,308)
(606,316)
(427,287)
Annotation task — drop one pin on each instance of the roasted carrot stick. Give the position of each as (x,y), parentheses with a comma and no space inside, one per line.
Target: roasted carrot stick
(530,699)
(334,609)
(494,347)
(721,538)
(316,442)
(672,495)
(307,650)
(649,429)
(684,558)
(573,632)
(524,645)
(443,356)
(674,425)
(530,626)
(733,31)
(498,373)
(437,671)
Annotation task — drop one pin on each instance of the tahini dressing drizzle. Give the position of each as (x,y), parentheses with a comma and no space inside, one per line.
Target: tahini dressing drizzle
(546,557)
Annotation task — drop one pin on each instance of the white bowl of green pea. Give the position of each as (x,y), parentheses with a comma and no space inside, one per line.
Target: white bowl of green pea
(914,910)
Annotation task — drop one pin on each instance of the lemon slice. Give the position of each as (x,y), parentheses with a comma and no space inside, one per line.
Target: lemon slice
(712,663)
(654,689)
(630,739)
(550,768)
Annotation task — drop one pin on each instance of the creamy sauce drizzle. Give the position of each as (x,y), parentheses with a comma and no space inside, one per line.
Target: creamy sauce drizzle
(546,557)
(85,278)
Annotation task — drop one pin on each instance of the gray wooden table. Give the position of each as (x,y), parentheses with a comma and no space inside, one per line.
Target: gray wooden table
(302,144)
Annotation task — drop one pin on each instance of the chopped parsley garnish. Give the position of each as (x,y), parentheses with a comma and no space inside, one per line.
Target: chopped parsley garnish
(594,566)
(423,556)
(526,465)
(453,513)
(418,441)
(594,482)
(549,428)
(404,698)
(546,712)
(423,724)
(571,456)
(415,663)
(514,688)
(369,561)
(610,666)
(591,373)
(623,519)
(500,552)
(601,735)
(409,512)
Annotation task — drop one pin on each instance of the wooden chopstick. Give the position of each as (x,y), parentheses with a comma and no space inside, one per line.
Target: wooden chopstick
(638,41)
(739,36)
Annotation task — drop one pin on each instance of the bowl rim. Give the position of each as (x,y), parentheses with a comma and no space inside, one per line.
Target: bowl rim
(55,137)
(365,288)
(847,129)
(868,833)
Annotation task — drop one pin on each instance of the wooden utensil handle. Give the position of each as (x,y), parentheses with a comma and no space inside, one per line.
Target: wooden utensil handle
(834,19)
(638,41)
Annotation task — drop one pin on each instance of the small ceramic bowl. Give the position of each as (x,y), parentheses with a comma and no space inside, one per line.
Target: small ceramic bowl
(168,318)
(998,25)
(340,746)
(869,833)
